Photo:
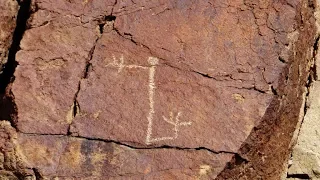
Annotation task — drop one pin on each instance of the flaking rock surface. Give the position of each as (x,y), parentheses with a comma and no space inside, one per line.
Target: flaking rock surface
(146,89)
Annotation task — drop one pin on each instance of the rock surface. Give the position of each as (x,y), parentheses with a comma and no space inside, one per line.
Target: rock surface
(305,156)
(60,156)
(125,86)
(11,166)
(8,16)
(304,161)
(111,89)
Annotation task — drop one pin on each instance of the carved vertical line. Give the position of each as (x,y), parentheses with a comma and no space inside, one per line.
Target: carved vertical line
(153,62)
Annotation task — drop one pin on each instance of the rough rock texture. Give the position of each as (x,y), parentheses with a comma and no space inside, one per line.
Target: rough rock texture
(8,15)
(305,156)
(60,156)
(11,164)
(304,161)
(269,144)
(172,89)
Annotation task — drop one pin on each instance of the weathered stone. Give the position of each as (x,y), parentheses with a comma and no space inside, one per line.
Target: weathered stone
(8,15)
(304,161)
(268,146)
(59,156)
(135,93)
(7,175)
(11,166)
(120,73)
(158,89)
(305,156)
(49,76)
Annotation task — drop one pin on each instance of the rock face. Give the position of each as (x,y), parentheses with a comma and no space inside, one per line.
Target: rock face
(147,90)
(166,89)
(8,15)
(304,161)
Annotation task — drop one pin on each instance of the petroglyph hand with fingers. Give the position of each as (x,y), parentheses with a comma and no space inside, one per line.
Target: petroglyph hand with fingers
(176,123)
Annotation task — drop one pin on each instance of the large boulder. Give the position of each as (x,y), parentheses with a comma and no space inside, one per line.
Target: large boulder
(108,89)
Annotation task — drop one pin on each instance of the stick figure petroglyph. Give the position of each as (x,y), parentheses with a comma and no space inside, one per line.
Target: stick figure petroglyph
(175,121)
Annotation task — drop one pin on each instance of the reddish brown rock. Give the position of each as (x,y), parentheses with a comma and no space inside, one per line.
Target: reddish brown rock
(8,15)
(134,98)
(51,62)
(60,157)
(157,89)
(268,147)
(121,75)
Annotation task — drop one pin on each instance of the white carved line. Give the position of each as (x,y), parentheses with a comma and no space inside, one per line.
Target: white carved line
(135,66)
(171,119)
(153,62)
(120,64)
(176,124)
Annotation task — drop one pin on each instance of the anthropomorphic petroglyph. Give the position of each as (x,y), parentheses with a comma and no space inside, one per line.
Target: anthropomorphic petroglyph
(175,121)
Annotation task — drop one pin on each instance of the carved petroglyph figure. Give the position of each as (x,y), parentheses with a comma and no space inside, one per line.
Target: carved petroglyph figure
(176,123)
(120,64)
(173,120)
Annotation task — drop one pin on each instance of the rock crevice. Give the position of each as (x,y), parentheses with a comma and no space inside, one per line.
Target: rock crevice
(8,109)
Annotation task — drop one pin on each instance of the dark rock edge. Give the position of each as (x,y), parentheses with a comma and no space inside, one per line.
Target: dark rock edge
(268,147)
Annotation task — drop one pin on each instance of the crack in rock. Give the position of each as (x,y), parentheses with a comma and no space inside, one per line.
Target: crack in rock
(8,109)
(138,147)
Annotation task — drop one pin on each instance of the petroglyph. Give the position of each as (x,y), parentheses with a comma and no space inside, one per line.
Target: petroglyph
(175,121)
(120,64)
